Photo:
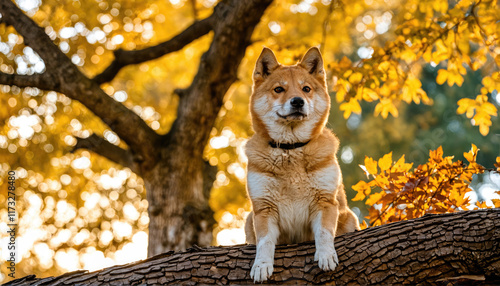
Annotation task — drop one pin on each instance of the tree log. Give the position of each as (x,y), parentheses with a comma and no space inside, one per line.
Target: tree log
(432,250)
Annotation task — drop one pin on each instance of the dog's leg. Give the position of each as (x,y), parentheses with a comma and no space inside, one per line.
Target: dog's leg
(323,225)
(267,232)
(250,229)
(348,222)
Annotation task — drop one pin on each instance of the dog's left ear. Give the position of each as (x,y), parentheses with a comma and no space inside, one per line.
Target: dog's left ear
(313,63)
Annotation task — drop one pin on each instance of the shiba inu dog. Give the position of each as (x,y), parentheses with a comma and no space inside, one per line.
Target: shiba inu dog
(294,179)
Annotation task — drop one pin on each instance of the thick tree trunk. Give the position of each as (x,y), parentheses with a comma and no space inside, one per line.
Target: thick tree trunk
(179,213)
(460,248)
(178,194)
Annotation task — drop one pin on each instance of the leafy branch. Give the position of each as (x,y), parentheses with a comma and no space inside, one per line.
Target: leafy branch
(440,185)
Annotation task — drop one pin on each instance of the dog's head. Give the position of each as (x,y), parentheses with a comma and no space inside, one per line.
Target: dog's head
(289,104)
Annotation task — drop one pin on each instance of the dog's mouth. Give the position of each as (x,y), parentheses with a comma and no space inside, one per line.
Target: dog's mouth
(297,115)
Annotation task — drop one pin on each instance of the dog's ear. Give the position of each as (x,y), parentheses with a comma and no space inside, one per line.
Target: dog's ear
(313,63)
(265,65)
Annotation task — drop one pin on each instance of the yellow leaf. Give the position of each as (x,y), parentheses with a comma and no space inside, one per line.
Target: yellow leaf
(355,78)
(442,52)
(442,76)
(345,62)
(385,162)
(363,225)
(350,107)
(408,56)
(375,198)
(363,190)
(359,197)
(471,155)
(436,155)
(386,106)
(440,5)
(466,105)
(347,73)
(401,165)
(340,95)
(455,69)
(369,95)
(484,129)
(488,108)
(371,165)
(482,205)
(496,202)
(410,88)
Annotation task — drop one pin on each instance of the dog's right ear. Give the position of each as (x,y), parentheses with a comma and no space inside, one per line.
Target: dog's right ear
(265,65)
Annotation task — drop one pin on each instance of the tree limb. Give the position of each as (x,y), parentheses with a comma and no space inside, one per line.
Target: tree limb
(110,151)
(33,35)
(218,68)
(432,250)
(42,81)
(68,79)
(124,58)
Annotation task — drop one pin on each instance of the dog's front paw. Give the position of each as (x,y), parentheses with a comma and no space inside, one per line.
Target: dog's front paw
(327,259)
(261,271)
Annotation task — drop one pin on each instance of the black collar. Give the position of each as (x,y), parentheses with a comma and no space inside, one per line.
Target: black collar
(287,146)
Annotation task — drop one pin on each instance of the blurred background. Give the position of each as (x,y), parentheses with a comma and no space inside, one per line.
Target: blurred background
(81,211)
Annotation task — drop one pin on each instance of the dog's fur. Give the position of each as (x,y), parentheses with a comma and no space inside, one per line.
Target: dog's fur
(297,193)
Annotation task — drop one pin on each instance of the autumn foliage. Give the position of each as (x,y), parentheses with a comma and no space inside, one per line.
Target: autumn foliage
(453,38)
(438,186)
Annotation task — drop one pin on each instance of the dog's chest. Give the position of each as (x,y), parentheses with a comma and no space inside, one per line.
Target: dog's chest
(292,170)
(294,195)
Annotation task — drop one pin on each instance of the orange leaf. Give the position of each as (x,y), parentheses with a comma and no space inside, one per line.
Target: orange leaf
(363,225)
(436,155)
(363,190)
(497,164)
(375,198)
(371,165)
(471,155)
(401,166)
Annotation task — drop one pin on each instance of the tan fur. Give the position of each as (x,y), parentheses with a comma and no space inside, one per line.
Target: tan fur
(297,195)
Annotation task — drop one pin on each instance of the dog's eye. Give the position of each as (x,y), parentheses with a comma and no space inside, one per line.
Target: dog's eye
(306,89)
(279,89)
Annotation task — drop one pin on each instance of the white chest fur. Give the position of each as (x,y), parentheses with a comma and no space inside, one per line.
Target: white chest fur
(292,190)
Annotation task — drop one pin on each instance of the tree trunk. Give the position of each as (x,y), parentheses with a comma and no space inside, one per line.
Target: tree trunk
(177,191)
(179,213)
(459,248)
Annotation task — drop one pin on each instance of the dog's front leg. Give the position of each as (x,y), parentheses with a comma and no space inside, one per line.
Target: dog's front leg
(267,232)
(324,224)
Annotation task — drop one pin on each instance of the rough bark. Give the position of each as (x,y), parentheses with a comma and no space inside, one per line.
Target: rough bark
(459,248)
(177,178)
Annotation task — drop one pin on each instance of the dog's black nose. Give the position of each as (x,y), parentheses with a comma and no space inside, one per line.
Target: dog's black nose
(297,102)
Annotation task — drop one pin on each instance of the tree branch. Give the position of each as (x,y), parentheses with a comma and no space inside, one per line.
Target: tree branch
(218,68)
(68,79)
(124,58)
(34,36)
(110,151)
(42,81)
(431,250)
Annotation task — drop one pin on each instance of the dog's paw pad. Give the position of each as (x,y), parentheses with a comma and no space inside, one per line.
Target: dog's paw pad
(261,271)
(327,260)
